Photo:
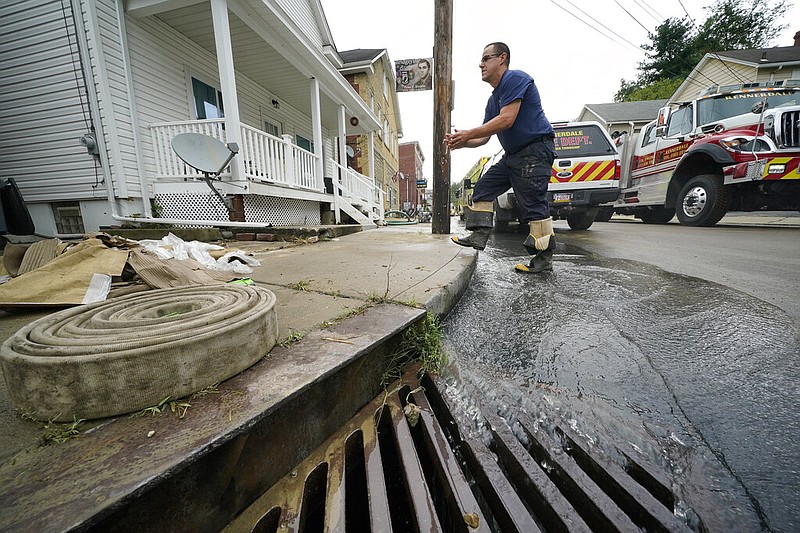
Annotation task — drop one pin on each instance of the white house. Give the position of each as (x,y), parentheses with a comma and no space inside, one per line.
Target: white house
(733,67)
(93,91)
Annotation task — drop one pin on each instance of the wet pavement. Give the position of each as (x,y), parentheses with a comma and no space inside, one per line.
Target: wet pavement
(699,379)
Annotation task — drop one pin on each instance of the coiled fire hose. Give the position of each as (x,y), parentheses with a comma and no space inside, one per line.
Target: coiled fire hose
(132,352)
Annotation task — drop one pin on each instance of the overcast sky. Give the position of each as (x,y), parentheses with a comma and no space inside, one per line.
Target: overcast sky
(577,52)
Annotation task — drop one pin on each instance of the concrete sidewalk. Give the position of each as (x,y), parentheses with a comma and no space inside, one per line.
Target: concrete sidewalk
(790,219)
(316,283)
(366,287)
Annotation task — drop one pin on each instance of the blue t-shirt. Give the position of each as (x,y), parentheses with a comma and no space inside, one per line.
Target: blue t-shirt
(531,121)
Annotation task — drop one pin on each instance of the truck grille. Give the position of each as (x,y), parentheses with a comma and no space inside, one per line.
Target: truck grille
(790,129)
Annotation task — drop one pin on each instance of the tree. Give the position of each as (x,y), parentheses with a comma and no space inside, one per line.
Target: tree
(741,25)
(455,192)
(678,44)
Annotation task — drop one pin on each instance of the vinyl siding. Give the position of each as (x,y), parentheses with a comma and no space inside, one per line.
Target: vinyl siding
(163,60)
(44,109)
(715,72)
(301,13)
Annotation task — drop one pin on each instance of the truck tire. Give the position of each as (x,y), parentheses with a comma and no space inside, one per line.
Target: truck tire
(657,216)
(703,201)
(581,220)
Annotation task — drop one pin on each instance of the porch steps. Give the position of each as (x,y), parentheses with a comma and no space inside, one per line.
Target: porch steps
(351,206)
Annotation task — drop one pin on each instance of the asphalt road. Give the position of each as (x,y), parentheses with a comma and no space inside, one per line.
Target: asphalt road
(762,261)
(679,344)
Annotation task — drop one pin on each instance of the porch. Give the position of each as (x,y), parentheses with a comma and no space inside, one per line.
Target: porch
(279,183)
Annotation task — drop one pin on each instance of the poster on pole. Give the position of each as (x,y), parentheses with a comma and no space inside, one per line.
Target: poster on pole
(414,74)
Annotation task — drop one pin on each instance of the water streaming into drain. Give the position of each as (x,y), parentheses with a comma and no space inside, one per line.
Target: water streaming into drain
(697,378)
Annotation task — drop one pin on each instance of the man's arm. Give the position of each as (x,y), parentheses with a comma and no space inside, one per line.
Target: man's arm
(479,136)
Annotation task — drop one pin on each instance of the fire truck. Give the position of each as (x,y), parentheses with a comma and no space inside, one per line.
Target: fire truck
(734,148)
(464,193)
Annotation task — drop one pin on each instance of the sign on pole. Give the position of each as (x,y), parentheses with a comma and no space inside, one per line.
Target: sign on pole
(414,74)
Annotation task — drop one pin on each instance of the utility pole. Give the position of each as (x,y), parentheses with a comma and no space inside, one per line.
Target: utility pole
(443,77)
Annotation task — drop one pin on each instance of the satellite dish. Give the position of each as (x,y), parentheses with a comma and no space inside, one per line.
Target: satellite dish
(350,151)
(206,154)
(203,152)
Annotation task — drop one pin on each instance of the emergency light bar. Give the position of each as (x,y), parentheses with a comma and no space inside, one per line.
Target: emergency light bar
(716,89)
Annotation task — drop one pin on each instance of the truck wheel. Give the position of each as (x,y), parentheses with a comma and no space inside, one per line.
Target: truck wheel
(657,216)
(579,221)
(703,201)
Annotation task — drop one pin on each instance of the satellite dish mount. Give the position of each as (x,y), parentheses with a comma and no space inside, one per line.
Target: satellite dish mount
(208,155)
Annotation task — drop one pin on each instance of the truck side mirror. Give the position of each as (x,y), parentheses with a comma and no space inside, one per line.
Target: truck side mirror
(759,107)
(661,130)
(663,116)
(467,183)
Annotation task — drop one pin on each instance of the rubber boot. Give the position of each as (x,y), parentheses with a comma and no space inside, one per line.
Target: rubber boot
(541,262)
(540,242)
(477,218)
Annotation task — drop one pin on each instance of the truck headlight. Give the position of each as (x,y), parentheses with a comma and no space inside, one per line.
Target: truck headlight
(744,144)
(776,168)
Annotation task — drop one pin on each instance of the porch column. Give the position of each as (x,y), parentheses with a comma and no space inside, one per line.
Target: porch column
(316,127)
(342,139)
(372,155)
(227,82)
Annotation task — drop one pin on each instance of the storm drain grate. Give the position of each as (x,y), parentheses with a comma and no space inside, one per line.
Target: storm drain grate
(401,465)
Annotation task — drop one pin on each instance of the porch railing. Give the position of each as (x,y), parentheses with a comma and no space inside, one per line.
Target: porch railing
(360,190)
(270,159)
(264,157)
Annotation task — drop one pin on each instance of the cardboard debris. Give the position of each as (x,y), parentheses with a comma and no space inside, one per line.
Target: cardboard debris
(51,273)
(39,254)
(65,279)
(165,273)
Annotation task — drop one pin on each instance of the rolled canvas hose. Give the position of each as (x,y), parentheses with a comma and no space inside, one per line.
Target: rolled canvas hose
(132,352)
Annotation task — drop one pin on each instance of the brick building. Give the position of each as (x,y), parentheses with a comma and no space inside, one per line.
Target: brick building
(411,189)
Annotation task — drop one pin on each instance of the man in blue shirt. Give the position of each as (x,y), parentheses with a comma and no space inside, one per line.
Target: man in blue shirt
(514,113)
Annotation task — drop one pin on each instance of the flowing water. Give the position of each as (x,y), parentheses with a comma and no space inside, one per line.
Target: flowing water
(697,378)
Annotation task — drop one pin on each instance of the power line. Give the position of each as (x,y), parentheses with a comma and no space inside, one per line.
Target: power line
(715,53)
(649,10)
(592,27)
(603,25)
(631,16)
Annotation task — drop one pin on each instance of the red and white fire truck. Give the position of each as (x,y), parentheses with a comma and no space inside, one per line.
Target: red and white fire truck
(735,148)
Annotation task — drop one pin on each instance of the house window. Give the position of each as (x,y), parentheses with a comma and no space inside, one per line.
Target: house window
(272,128)
(207,100)
(304,143)
(386,88)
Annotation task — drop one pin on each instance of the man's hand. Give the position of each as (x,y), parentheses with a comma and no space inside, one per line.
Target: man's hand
(464,138)
(455,140)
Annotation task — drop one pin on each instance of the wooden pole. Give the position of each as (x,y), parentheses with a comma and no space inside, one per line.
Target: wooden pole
(443,72)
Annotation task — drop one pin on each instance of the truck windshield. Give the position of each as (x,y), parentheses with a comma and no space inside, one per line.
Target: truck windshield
(582,141)
(730,105)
